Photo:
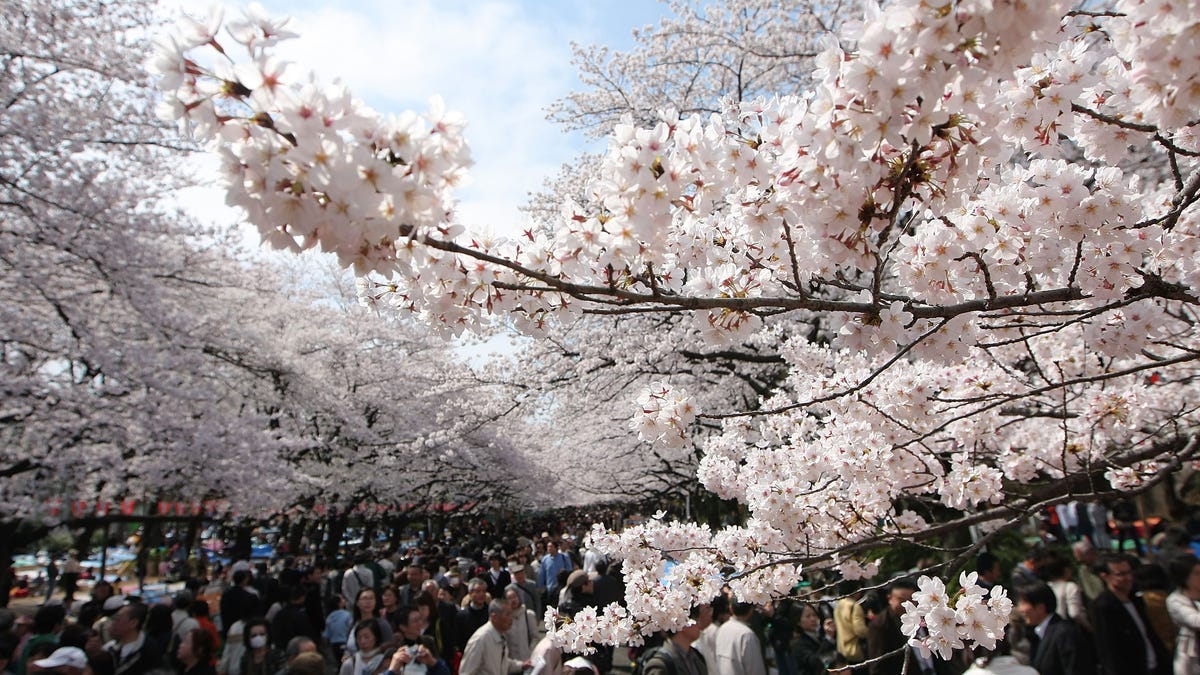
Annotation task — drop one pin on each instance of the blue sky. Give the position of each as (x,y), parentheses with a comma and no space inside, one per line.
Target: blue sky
(499,62)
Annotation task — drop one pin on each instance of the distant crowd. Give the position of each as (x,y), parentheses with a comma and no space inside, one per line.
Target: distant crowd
(475,607)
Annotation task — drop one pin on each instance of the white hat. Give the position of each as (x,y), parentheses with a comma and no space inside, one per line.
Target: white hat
(239,566)
(113,604)
(64,656)
(582,664)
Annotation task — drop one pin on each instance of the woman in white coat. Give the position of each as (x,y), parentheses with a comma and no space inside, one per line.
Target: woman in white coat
(523,636)
(1183,604)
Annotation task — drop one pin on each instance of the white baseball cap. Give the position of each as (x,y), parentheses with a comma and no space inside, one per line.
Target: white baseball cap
(64,656)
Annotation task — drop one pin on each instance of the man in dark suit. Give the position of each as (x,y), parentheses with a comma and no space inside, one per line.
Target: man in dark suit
(1058,646)
(1126,644)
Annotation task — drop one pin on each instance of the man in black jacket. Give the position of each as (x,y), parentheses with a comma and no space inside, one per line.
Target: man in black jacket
(292,620)
(1126,644)
(129,648)
(239,602)
(1058,646)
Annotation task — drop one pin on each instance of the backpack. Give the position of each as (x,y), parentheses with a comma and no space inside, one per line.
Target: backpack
(655,653)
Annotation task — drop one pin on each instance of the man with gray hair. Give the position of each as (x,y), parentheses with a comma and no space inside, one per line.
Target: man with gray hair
(474,614)
(295,647)
(487,652)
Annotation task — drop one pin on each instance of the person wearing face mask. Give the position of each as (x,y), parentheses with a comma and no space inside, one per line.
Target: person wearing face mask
(260,658)
(369,658)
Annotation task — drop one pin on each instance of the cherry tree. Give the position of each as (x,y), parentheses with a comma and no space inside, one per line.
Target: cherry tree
(700,54)
(1005,313)
(103,395)
(574,391)
(140,361)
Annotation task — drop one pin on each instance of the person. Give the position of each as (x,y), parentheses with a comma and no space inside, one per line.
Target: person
(130,649)
(1026,571)
(1125,517)
(497,578)
(368,657)
(366,608)
(474,615)
(307,663)
(739,651)
(1085,559)
(238,602)
(677,656)
(1184,606)
(197,652)
(812,651)
(296,647)
(416,659)
(440,619)
(70,576)
(90,610)
(1153,584)
(230,662)
(1058,645)
(337,628)
(357,578)
(987,566)
(552,563)
(64,661)
(576,593)
(1126,645)
(1057,571)
(198,610)
(47,622)
(407,594)
(51,578)
(260,657)
(486,652)
(780,617)
(389,601)
(850,622)
(292,620)
(158,632)
(529,591)
(523,635)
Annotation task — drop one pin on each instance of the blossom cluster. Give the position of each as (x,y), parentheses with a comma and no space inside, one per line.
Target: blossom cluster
(663,414)
(975,617)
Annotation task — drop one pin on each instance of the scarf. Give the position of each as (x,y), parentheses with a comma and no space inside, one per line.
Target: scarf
(364,665)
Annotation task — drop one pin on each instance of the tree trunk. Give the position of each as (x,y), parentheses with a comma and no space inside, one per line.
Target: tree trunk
(315,531)
(241,543)
(333,538)
(368,538)
(83,542)
(295,535)
(189,539)
(8,536)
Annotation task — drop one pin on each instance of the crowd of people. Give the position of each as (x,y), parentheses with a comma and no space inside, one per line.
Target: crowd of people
(476,608)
